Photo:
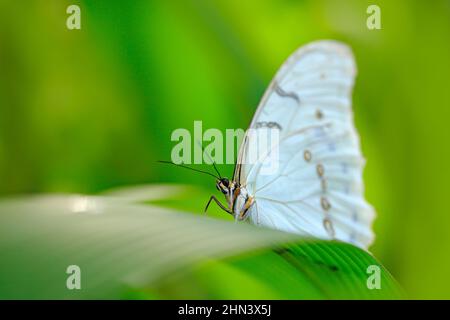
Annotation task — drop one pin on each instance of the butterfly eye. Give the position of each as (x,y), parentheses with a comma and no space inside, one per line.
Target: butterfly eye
(225,182)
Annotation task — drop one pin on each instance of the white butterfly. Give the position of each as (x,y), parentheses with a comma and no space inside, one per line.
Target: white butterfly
(317,189)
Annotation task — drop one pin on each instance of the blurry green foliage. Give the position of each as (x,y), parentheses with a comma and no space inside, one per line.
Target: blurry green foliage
(82,111)
(125,249)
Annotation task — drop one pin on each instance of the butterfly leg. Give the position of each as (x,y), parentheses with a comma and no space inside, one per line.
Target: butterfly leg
(218,203)
(250,201)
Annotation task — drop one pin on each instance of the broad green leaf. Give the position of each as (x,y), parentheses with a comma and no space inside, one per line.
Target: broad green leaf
(134,250)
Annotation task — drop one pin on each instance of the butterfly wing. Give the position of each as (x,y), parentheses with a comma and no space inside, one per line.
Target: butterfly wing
(316,188)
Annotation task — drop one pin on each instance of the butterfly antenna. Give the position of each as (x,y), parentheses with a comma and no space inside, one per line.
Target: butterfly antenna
(182,166)
(235,164)
(213,163)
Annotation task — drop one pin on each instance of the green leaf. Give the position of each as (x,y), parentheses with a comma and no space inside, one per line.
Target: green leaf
(130,250)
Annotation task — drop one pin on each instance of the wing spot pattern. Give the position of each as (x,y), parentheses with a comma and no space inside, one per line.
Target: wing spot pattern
(307,155)
(283,93)
(320,170)
(328,225)
(267,124)
(319,114)
(325,204)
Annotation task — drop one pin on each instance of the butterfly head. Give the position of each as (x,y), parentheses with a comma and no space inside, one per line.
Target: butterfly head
(223,185)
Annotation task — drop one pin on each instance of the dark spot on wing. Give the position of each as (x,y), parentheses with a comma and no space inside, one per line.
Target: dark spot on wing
(307,155)
(267,124)
(283,93)
(319,114)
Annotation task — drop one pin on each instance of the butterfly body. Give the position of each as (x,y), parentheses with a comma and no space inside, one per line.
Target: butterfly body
(239,202)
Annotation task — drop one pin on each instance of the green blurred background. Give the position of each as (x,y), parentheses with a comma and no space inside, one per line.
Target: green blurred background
(86,110)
